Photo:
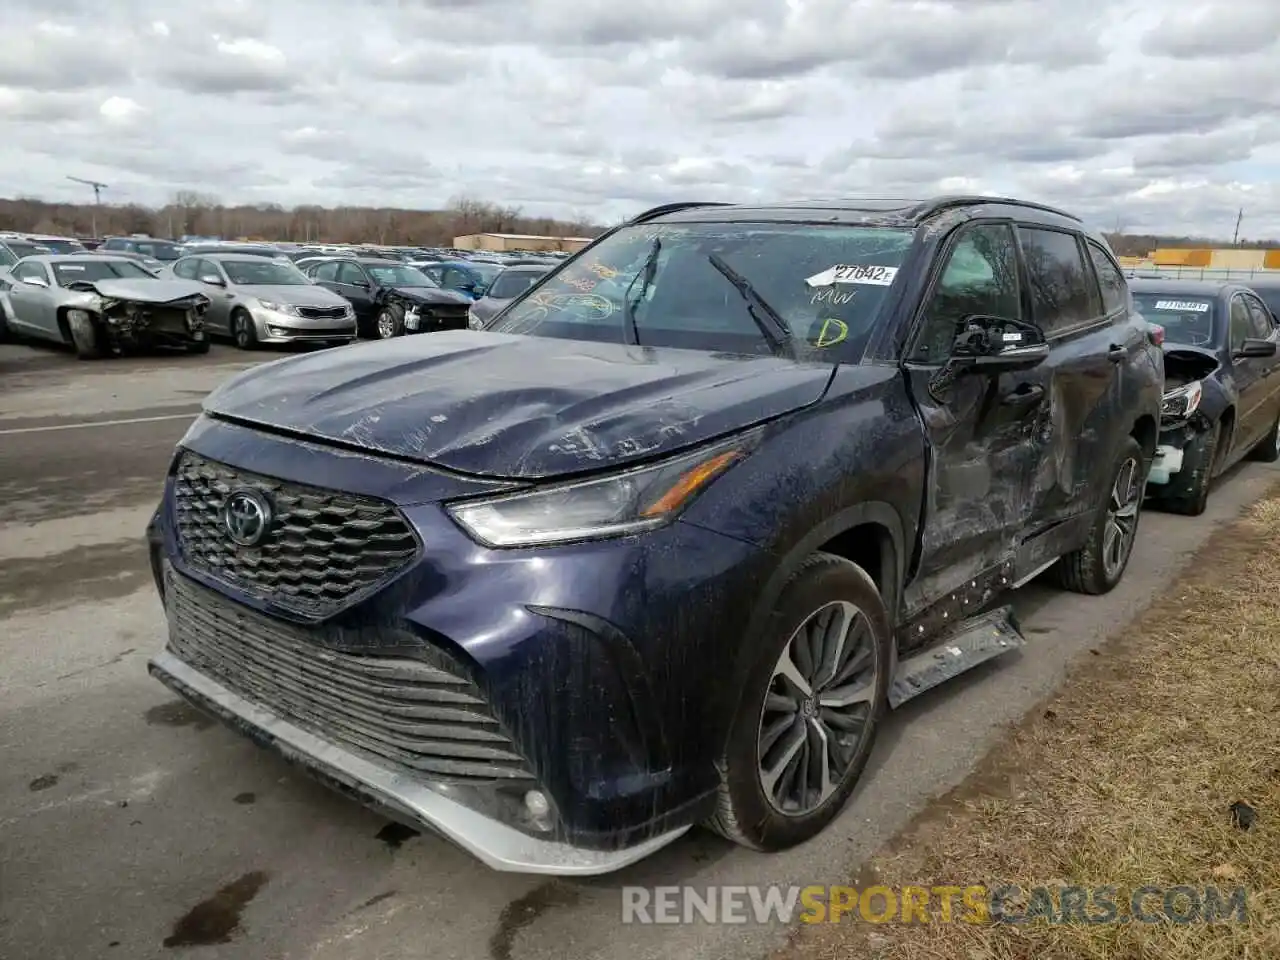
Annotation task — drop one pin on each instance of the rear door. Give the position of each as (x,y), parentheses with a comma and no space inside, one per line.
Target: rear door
(1253,386)
(1091,341)
(987,434)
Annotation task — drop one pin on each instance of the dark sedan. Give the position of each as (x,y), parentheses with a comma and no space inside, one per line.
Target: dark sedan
(1222,392)
(392,298)
(508,285)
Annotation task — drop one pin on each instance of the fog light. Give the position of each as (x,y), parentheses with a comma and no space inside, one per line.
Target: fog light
(539,808)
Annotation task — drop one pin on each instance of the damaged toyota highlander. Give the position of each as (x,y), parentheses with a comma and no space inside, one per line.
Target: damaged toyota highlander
(100,305)
(661,543)
(1222,399)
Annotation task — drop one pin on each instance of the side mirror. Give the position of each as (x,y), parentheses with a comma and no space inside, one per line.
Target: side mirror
(991,346)
(213,280)
(36,281)
(1256,348)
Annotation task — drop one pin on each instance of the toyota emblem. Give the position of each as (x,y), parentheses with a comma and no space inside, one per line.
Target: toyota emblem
(246,516)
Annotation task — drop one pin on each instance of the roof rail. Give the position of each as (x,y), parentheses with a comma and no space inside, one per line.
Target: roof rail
(938,204)
(673,208)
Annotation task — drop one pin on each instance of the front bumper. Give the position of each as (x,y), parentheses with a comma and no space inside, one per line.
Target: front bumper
(430,319)
(275,327)
(498,846)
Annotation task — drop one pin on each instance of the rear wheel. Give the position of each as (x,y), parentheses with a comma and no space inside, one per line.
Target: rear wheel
(242,331)
(1267,451)
(813,699)
(1098,566)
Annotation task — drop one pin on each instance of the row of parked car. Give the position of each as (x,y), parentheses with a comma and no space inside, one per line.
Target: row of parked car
(662,543)
(106,303)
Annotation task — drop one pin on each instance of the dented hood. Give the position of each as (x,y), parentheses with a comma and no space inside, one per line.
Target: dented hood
(146,291)
(516,406)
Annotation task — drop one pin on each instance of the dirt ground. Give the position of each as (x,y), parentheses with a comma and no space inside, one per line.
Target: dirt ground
(1158,764)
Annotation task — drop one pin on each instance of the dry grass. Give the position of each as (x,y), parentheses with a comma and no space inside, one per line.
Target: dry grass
(1124,778)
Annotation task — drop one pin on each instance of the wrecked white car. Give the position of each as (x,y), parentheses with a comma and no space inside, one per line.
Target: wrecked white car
(100,305)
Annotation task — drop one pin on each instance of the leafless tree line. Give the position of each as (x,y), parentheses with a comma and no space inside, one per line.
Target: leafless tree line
(192,213)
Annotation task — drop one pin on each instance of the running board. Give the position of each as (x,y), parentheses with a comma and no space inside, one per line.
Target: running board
(970,643)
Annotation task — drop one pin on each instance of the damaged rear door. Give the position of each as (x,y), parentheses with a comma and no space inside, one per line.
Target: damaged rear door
(987,433)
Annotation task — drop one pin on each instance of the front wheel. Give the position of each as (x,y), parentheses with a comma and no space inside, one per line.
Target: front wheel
(1098,566)
(390,322)
(86,335)
(813,699)
(243,332)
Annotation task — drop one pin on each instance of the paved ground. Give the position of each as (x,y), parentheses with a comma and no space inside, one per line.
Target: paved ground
(127,821)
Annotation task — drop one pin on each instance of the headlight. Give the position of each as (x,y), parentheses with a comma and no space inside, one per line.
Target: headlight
(1182,402)
(276,307)
(623,503)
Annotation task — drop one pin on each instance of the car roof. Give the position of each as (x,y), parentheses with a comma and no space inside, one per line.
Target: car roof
(53,259)
(1190,288)
(528,268)
(878,211)
(237,255)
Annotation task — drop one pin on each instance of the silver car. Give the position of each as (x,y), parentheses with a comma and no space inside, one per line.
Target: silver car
(258,300)
(101,305)
(508,285)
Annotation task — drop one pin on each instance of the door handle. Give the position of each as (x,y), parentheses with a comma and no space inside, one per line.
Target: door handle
(1026,395)
(1117,353)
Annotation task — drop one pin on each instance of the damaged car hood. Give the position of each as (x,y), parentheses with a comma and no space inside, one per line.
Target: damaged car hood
(504,405)
(430,295)
(144,291)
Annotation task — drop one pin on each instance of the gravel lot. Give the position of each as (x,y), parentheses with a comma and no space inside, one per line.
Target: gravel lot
(123,814)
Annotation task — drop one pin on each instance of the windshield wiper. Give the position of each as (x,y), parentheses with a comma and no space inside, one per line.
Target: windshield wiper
(646,272)
(772,326)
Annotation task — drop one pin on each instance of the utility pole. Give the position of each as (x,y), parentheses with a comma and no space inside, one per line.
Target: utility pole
(97,199)
(1235,240)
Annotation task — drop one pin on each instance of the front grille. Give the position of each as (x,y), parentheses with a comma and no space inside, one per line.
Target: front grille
(322,313)
(424,716)
(447,317)
(325,549)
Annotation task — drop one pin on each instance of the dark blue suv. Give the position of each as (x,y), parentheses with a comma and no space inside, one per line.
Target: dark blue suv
(662,542)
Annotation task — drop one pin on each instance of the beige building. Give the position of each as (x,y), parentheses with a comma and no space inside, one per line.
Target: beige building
(507,242)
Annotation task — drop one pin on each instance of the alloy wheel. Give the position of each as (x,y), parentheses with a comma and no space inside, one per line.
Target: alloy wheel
(386,325)
(816,711)
(1122,517)
(242,332)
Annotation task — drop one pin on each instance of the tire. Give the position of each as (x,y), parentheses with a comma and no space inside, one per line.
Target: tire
(745,813)
(1087,569)
(243,332)
(1199,459)
(6,334)
(1267,450)
(390,322)
(198,346)
(86,337)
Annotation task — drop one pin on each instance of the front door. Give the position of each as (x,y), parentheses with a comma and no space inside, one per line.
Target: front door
(1254,384)
(32,303)
(987,433)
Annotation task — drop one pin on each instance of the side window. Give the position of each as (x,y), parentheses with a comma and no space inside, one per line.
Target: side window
(327,271)
(1060,283)
(351,273)
(113,244)
(185,269)
(980,278)
(1261,324)
(27,271)
(1241,322)
(207,268)
(1110,279)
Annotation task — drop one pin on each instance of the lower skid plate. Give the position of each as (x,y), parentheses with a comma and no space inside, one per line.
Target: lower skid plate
(970,643)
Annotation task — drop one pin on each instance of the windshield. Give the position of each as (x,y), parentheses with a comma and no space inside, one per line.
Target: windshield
(512,283)
(399,275)
(263,272)
(21,248)
(1186,320)
(158,249)
(732,287)
(70,271)
(63,246)
(7,259)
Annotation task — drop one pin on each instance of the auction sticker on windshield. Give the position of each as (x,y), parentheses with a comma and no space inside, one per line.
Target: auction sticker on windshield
(1183,305)
(858,273)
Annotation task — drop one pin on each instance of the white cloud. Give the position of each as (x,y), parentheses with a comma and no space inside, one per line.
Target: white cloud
(1121,110)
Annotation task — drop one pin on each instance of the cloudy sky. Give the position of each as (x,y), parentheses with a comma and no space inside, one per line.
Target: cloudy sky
(1140,114)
